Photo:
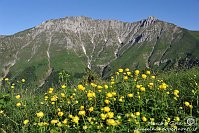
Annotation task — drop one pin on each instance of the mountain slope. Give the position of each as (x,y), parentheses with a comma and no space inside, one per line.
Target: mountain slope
(74,43)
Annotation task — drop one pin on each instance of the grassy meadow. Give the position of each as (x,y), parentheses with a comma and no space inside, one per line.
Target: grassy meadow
(129,101)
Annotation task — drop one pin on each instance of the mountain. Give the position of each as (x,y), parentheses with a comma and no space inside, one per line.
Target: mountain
(76,43)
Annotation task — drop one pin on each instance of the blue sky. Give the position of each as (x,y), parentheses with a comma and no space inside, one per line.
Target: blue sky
(18,15)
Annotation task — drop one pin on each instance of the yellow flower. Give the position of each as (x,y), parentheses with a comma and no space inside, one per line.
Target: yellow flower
(81,87)
(125,78)
(106,86)
(17,96)
(65,121)
(54,98)
(144,118)
(163,86)
(81,108)
(93,85)
(107,109)
(114,93)
(6,79)
(112,82)
(18,104)
(120,70)
(85,127)
(54,121)
(110,114)
(75,119)
(23,80)
(127,69)
(63,95)
(106,101)
(59,124)
(137,113)
(109,95)
(138,86)
(176,92)
(91,109)
(60,113)
(12,87)
(90,94)
(190,106)
(137,72)
(148,72)
(176,118)
(117,73)
(142,89)
(111,122)
(25,122)
(40,114)
(136,131)
(153,77)
(128,73)
(51,89)
(187,104)
(144,76)
(168,92)
(63,86)
(82,113)
(130,95)
(99,87)
(103,116)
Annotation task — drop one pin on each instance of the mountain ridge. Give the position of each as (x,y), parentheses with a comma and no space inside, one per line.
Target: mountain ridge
(100,45)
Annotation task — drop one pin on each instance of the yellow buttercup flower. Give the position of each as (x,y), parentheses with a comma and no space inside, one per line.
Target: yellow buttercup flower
(106,101)
(99,87)
(25,122)
(153,77)
(18,104)
(81,87)
(23,80)
(106,109)
(127,69)
(65,121)
(81,108)
(144,76)
(91,109)
(176,118)
(6,79)
(106,86)
(63,86)
(40,114)
(120,70)
(60,113)
(130,95)
(138,86)
(187,104)
(125,78)
(63,95)
(111,122)
(82,113)
(109,95)
(17,96)
(85,127)
(110,114)
(54,121)
(148,72)
(75,119)
(103,116)
(144,118)
(137,113)
(93,85)
(142,89)
(137,72)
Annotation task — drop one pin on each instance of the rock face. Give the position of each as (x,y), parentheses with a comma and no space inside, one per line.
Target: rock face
(74,43)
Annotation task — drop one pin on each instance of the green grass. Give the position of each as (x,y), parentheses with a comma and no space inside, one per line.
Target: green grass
(135,102)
